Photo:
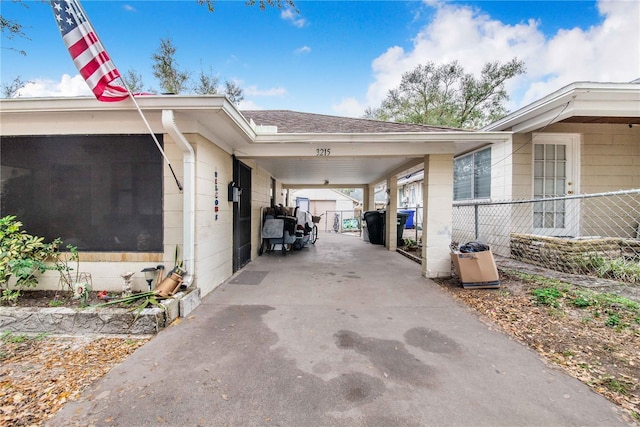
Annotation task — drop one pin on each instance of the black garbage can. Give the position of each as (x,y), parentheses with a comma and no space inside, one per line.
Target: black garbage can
(375,226)
(401,221)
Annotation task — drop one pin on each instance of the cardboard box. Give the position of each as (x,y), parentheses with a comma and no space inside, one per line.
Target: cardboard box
(476,270)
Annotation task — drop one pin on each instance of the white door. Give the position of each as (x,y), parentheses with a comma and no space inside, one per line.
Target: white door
(555,174)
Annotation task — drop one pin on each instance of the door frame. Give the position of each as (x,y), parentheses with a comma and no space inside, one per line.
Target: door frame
(241,224)
(572,142)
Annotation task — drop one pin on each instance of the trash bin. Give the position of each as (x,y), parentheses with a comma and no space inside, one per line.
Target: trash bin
(409,223)
(401,222)
(375,226)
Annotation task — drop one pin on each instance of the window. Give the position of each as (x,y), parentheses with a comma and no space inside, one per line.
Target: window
(472,176)
(99,192)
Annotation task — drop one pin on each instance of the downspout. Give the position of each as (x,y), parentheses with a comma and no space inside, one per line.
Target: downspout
(188,199)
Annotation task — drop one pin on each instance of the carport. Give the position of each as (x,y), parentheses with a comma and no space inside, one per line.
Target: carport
(303,150)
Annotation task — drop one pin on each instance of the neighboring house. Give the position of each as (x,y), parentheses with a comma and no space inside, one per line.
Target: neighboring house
(90,173)
(329,204)
(581,139)
(321,200)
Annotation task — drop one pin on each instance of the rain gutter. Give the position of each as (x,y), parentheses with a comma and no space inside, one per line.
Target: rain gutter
(188,199)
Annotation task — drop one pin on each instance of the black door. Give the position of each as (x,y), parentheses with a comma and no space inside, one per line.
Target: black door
(242,216)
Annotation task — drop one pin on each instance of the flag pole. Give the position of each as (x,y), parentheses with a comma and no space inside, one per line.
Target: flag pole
(153,135)
(144,119)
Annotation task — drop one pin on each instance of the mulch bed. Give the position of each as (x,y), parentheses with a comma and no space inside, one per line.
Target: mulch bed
(38,375)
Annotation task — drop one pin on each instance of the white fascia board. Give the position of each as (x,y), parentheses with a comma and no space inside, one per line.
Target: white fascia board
(584,98)
(152,102)
(42,116)
(382,137)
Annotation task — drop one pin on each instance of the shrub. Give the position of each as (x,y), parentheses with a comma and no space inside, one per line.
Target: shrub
(22,256)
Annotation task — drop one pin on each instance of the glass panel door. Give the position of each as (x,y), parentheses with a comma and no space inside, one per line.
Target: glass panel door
(553,169)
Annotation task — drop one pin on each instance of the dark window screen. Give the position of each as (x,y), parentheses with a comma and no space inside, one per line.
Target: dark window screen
(97,192)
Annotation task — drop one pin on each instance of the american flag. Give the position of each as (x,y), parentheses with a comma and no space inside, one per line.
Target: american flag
(87,52)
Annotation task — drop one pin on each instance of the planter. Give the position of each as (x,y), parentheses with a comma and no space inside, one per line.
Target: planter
(170,285)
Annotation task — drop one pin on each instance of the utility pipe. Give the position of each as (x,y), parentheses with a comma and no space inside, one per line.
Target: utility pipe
(188,199)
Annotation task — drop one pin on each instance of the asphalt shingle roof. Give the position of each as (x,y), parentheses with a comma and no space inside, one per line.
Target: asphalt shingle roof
(295,122)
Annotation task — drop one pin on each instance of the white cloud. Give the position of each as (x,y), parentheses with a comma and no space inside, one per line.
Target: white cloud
(292,16)
(249,105)
(67,86)
(254,91)
(129,8)
(607,51)
(302,50)
(349,107)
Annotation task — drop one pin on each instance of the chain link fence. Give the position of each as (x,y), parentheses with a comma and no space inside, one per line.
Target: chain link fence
(344,222)
(592,234)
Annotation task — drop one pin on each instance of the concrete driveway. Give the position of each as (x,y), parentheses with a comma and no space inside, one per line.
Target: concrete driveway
(341,334)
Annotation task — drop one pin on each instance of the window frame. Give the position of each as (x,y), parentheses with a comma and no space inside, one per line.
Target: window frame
(474,192)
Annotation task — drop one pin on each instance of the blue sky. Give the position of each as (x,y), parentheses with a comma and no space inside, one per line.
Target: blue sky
(337,57)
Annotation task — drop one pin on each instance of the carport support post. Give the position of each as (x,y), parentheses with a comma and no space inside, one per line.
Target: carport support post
(368,198)
(437,217)
(391,219)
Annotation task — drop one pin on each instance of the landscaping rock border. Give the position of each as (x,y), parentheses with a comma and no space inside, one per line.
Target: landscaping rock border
(97,320)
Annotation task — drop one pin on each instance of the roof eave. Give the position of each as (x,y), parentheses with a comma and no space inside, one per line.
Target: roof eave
(588,99)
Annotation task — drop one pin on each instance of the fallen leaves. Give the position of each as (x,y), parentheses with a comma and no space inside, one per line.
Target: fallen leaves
(578,340)
(40,374)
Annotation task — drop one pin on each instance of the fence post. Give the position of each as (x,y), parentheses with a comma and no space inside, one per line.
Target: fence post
(476,220)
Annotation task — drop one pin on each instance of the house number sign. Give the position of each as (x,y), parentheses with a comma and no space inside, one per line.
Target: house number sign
(323,152)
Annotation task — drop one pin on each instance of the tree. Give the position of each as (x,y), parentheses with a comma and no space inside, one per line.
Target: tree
(12,28)
(233,92)
(165,68)
(207,84)
(11,90)
(133,81)
(261,3)
(444,95)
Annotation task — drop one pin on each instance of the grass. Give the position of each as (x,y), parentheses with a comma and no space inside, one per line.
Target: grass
(618,268)
(611,309)
(614,385)
(8,340)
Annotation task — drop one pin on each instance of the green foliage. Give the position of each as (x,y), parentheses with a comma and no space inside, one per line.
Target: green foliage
(233,92)
(614,385)
(133,80)
(165,68)
(610,309)
(9,337)
(547,296)
(444,95)
(617,269)
(262,4)
(141,300)
(22,256)
(409,243)
(10,295)
(206,84)
(613,320)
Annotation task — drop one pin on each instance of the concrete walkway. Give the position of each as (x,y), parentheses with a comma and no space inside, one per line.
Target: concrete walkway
(341,334)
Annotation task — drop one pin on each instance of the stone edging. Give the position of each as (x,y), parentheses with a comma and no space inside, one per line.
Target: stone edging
(101,320)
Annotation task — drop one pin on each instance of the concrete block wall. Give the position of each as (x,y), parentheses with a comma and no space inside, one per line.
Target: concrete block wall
(213,236)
